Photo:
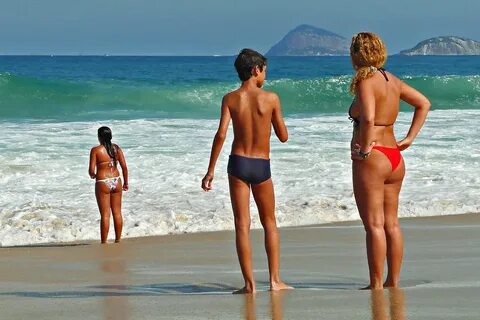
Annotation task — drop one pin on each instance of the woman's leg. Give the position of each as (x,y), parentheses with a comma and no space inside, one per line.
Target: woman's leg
(102,193)
(265,199)
(368,186)
(116,204)
(392,227)
(240,197)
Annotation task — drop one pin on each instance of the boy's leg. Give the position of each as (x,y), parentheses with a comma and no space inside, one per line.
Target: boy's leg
(240,196)
(265,200)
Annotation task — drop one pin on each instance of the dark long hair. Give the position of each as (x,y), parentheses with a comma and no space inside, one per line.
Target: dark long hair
(105,138)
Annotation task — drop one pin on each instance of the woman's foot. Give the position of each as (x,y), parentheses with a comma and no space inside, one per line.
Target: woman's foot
(279,285)
(117,241)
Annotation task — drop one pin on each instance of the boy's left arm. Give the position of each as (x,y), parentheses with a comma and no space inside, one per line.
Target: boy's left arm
(277,121)
(217,145)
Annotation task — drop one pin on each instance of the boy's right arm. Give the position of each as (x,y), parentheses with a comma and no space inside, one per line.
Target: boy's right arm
(277,121)
(217,145)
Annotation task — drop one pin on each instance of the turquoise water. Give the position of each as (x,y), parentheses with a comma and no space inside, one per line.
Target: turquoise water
(90,88)
(163,112)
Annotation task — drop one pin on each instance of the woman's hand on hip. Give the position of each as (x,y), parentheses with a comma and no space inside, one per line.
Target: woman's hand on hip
(357,154)
(404,144)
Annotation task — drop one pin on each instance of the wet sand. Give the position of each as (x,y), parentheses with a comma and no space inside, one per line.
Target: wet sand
(192,276)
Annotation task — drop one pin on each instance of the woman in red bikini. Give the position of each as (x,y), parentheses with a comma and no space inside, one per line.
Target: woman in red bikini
(378,168)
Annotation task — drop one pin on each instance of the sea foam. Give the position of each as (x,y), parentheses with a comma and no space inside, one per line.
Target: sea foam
(47,196)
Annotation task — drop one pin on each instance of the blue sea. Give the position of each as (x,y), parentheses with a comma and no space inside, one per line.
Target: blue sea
(164,112)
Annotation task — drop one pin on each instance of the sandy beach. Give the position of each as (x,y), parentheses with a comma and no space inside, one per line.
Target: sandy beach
(191,276)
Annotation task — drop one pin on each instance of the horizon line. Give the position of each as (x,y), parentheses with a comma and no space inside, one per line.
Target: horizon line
(205,56)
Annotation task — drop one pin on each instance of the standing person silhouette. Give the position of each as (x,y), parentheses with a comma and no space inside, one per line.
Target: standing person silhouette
(253,111)
(108,186)
(378,167)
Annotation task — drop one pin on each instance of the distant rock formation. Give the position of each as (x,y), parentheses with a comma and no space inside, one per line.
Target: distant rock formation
(306,40)
(444,46)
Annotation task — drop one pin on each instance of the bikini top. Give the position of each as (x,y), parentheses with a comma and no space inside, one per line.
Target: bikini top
(111,163)
(355,121)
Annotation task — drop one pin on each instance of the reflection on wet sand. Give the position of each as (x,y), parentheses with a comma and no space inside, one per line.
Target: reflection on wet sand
(114,268)
(249,312)
(396,305)
(276,305)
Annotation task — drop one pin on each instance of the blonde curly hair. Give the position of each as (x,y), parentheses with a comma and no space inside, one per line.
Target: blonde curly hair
(368,53)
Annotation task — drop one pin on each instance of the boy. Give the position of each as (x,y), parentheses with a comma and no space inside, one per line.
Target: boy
(253,112)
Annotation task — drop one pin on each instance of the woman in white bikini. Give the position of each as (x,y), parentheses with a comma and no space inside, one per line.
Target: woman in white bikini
(108,186)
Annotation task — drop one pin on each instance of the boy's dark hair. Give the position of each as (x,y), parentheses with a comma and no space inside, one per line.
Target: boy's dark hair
(246,60)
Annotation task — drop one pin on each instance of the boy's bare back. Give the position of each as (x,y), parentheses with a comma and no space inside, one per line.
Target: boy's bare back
(253,111)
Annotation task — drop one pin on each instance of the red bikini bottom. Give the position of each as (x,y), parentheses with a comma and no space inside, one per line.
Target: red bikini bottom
(393,155)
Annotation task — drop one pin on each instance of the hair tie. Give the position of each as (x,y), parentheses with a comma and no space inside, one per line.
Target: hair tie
(373,69)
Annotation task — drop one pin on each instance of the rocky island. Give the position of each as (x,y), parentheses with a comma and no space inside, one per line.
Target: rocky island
(307,40)
(444,46)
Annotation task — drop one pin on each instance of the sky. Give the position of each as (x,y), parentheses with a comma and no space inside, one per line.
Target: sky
(209,27)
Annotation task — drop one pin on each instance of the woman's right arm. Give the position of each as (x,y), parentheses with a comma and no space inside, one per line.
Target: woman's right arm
(93,161)
(421,105)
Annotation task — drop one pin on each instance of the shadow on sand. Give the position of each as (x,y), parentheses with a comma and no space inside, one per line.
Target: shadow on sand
(126,290)
(181,289)
(170,289)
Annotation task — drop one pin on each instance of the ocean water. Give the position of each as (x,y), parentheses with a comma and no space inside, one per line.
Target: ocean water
(164,112)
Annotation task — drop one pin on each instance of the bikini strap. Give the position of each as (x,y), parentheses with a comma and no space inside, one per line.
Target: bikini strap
(109,162)
(383,72)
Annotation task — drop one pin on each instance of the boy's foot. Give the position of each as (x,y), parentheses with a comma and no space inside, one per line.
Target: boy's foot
(369,287)
(245,290)
(276,286)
